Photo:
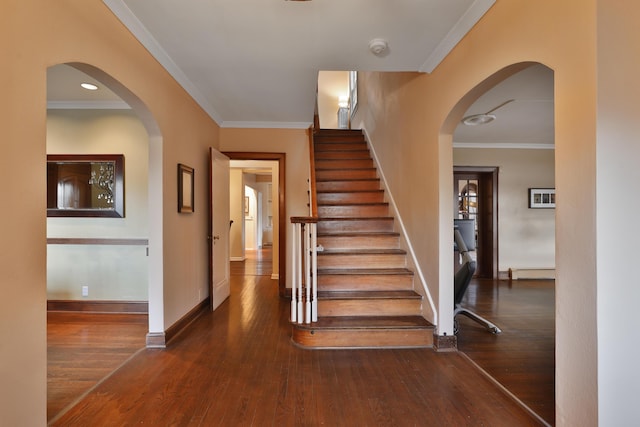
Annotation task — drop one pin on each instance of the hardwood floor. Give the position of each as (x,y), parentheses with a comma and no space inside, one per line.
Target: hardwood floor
(522,357)
(237,366)
(83,348)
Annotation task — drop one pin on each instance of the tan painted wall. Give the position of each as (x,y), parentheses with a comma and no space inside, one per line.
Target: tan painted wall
(295,144)
(410,117)
(526,237)
(34,35)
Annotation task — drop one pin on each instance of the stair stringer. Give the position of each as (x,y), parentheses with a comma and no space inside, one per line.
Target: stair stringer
(429,311)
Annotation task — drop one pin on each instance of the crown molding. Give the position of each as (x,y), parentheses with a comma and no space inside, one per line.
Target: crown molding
(505,145)
(87,105)
(140,32)
(266,125)
(453,37)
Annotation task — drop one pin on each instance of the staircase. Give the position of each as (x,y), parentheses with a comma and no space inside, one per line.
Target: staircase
(365,291)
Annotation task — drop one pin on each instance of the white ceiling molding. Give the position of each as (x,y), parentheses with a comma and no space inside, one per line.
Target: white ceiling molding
(507,145)
(266,125)
(462,27)
(124,14)
(87,105)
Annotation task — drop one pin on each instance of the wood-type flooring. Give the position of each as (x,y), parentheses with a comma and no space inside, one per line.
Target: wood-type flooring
(237,366)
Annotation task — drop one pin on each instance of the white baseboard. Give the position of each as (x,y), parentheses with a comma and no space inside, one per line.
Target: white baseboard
(275,277)
(237,258)
(532,273)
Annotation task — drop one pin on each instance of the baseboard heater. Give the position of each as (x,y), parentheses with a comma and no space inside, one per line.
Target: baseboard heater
(532,273)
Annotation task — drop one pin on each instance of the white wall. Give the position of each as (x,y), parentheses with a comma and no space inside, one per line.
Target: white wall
(250,218)
(110,272)
(236,213)
(263,186)
(526,237)
(617,205)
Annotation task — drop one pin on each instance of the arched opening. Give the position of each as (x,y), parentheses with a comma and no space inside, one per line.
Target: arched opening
(522,305)
(107,264)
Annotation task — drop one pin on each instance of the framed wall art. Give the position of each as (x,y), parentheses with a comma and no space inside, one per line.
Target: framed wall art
(185,189)
(542,198)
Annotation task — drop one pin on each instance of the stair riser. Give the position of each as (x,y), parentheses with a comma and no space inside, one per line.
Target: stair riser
(369,307)
(366,241)
(369,282)
(360,225)
(361,261)
(342,146)
(373,184)
(337,138)
(350,154)
(356,338)
(355,197)
(353,211)
(338,174)
(344,164)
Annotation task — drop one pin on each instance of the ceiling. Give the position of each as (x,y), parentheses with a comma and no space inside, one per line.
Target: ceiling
(525,122)
(255,63)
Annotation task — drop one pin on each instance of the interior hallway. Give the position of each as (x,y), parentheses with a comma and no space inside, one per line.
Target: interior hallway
(237,366)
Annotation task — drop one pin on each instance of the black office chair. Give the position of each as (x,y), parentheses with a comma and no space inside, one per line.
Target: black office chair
(461,282)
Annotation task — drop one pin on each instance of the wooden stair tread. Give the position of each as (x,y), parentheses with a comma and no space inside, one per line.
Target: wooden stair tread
(348,191)
(368,322)
(353,204)
(368,295)
(346,179)
(357,234)
(366,271)
(355,218)
(342,158)
(345,169)
(370,251)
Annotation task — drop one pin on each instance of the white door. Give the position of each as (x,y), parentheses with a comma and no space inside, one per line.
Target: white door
(219,239)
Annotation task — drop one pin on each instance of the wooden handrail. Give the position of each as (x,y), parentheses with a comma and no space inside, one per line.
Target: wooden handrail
(312,176)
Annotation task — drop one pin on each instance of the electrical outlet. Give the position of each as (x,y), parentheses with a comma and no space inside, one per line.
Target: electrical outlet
(85,291)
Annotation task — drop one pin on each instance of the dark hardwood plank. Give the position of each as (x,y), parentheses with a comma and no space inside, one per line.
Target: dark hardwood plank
(522,357)
(237,366)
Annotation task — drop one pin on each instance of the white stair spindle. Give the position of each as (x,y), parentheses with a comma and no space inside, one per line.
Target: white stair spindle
(314,271)
(307,272)
(294,274)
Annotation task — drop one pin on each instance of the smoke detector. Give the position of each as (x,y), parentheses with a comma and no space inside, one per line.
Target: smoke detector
(378,47)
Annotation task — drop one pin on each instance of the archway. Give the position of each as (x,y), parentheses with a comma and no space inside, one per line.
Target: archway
(155,195)
(521,167)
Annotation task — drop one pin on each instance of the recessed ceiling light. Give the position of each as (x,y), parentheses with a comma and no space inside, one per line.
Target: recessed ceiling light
(478,119)
(484,118)
(89,86)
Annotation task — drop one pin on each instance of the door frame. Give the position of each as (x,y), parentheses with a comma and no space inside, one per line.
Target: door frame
(487,177)
(282,213)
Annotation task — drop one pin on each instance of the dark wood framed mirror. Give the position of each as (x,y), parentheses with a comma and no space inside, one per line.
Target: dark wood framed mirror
(85,185)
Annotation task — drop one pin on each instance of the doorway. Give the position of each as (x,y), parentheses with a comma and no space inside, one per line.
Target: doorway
(476,197)
(279,220)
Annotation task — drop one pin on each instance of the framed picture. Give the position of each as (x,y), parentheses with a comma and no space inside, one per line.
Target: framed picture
(246,205)
(542,198)
(185,189)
